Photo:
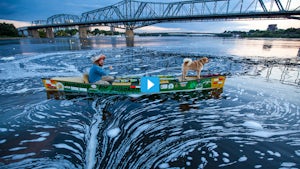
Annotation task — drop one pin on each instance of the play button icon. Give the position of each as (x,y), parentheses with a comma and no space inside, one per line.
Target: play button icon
(150,84)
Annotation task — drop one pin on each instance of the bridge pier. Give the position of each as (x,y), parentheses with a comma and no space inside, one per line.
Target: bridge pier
(49,33)
(21,33)
(129,34)
(34,33)
(112,30)
(83,32)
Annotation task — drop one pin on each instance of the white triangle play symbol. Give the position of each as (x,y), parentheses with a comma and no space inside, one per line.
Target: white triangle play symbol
(149,84)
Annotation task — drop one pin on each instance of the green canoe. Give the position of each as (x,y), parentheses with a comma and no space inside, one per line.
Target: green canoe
(131,85)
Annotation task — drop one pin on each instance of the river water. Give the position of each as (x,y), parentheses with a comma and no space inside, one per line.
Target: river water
(253,123)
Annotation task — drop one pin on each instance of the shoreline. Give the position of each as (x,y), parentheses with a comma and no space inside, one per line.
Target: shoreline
(12,38)
(182,35)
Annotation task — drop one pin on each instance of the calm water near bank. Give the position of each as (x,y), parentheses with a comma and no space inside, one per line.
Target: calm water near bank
(253,123)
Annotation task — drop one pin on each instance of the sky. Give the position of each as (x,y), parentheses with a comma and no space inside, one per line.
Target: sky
(22,12)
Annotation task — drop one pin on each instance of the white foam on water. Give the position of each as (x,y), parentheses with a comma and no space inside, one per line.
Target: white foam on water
(215,128)
(26,66)
(135,95)
(40,116)
(113,132)
(235,99)
(2,141)
(8,58)
(66,103)
(91,138)
(277,154)
(17,148)
(19,156)
(92,143)
(45,126)
(65,146)
(225,160)
(288,164)
(204,162)
(225,154)
(24,90)
(297,152)
(140,130)
(3,129)
(164,165)
(146,73)
(113,73)
(40,139)
(43,134)
(267,134)
(253,125)
(77,126)
(243,158)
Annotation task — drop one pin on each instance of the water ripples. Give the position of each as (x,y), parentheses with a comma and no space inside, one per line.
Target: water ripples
(252,123)
(156,133)
(46,129)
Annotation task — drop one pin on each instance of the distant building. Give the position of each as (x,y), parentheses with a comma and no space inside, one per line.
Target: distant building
(272,27)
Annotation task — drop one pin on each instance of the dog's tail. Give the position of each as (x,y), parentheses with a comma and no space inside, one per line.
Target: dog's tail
(187,61)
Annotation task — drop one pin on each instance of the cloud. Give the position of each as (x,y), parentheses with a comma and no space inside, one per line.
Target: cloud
(263,24)
(154,28)
(219,26)
(17,24)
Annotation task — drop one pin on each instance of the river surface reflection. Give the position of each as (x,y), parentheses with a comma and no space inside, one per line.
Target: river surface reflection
(257,47)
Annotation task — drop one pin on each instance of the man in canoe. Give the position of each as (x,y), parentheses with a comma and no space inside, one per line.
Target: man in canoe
(97,74)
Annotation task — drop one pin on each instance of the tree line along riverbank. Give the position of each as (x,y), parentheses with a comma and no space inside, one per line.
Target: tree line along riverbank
(8,30)
(280,33)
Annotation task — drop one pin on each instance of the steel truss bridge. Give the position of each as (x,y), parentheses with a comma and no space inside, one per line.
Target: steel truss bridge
(133,14)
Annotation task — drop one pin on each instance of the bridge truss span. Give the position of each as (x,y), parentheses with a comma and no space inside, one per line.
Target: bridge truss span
(134,14)
(63,19)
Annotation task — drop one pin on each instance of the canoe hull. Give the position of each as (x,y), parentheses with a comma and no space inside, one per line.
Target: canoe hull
(131,85)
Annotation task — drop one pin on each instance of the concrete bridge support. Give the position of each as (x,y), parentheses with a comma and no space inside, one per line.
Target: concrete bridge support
(34,33)
(21,33)
(49,33)
(129,34)
(83,32)
(112,30)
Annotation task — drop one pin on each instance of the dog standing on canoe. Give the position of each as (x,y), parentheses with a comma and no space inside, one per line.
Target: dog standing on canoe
(197,65)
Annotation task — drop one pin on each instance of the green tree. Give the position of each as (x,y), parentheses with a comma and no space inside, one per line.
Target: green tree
(60,33)
(71,32)
(96,32)
(8,30)
(42,33)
